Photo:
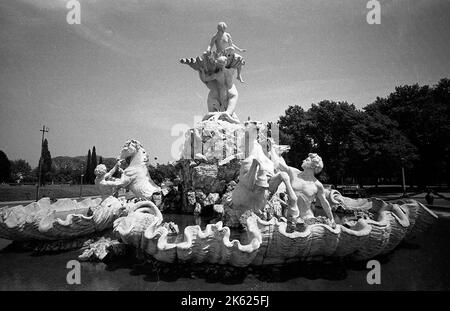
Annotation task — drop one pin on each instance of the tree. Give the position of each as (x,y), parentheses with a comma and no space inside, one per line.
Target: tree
(64,174)
(378,147)
(93,165)
(293,133)
(20,170)
(46,163)
(100,161)
(330,126)
(325,129)
(161,172)
(87,176)
(422,115)
(441,94)
(355,146)
(5,168)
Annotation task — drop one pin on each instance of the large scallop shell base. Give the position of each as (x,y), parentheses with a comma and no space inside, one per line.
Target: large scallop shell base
(268,242)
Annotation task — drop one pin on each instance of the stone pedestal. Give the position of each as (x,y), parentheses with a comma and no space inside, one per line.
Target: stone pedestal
(211,159)
(223,141)
(205,182)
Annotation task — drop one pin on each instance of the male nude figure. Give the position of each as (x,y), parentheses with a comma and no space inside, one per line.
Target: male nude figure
(225,47)
(106,185)
(305,185)
(227,92)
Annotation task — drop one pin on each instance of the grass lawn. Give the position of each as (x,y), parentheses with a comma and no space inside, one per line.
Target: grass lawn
(28,192)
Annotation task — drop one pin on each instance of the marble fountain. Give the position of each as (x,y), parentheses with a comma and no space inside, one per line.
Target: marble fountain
(311,222)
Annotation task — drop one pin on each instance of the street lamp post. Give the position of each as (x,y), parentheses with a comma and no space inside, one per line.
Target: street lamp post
(403,176)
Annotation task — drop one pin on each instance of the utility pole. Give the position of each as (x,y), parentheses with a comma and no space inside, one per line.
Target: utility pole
(81,180)
(44,130)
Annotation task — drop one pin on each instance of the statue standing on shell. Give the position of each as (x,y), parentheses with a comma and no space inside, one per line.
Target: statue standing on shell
(216,70)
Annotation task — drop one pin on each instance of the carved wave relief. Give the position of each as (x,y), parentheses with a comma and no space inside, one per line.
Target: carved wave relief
(64,219)
(268,242)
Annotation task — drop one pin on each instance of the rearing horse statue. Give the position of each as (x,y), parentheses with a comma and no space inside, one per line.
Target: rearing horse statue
(136,177)
(258,177)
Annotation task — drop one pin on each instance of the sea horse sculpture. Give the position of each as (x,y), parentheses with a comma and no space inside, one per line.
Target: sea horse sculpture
(251,191)
(258,179)
(67,219)
(135,176)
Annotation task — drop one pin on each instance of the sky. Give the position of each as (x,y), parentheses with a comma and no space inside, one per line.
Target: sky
(117,75)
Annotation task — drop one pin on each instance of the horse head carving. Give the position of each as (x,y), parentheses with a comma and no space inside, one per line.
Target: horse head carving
(252,189)
(131,149)
(136,176)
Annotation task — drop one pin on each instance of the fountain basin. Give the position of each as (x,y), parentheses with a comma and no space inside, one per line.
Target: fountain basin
(62,220)
(269,242)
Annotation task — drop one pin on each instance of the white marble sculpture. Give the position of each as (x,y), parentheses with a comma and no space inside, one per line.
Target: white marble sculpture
(135,176)
(225,47)
(274,241)
(56,226)
(269,242)
(261,176)
(104,181)
(216,69)
(64,219)
(303,186)
(68,219)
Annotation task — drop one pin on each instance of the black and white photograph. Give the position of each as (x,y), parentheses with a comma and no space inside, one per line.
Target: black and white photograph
(227,147)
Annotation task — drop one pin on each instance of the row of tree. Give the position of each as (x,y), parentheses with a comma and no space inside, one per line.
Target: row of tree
(16,170)
(91,163)
(409,128)
(21,171)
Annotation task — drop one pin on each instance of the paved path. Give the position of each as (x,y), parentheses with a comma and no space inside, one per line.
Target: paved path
(418,265)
